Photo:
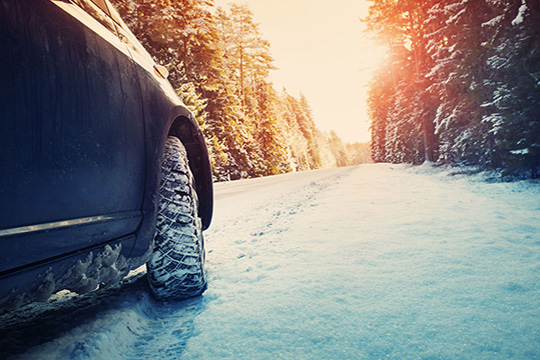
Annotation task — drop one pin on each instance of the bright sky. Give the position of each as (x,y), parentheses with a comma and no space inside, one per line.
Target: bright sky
(321,51)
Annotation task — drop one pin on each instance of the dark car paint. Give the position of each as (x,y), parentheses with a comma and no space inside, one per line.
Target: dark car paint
(82,130)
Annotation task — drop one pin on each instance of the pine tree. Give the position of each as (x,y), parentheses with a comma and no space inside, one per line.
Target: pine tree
(269,132)
(513,111)
(247,53)
(476,66)
(247,63)
(380,95)
(400,105)
(457,46)
(339,150)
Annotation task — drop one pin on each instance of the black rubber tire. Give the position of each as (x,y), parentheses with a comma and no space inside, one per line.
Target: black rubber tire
(176,268)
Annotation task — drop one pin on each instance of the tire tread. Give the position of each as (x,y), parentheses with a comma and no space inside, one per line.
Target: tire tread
(176,268)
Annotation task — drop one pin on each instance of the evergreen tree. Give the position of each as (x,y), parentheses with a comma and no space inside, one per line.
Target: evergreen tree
(247,53)
(476,66)
(380,96)
(457,46)
(269,132)
(247,63)
(400,105)
(513,110)
(298,149)
(339,150)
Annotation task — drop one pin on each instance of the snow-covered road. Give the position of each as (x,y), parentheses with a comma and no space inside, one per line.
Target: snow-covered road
(369,262)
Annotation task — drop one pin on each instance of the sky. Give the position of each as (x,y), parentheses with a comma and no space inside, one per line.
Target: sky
(321,50)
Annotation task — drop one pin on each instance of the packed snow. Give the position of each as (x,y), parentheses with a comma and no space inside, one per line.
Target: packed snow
(371,262)
(521,13)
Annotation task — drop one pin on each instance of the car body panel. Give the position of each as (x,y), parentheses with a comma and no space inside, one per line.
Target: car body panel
(73,143)
(83,120)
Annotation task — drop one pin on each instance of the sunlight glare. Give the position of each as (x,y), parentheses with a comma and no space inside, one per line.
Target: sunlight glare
(321,50)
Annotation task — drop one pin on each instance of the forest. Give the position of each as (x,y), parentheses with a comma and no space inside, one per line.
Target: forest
(460,84)
(219,64)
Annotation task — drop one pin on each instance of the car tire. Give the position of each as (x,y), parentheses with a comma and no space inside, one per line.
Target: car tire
(176,267)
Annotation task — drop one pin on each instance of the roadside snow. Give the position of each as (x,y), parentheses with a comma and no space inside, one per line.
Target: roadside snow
(379,262)
(370,262)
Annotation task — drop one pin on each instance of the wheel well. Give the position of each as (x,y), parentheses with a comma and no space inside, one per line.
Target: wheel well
(191,137)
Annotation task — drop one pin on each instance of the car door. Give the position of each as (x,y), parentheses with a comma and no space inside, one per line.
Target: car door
(71,131)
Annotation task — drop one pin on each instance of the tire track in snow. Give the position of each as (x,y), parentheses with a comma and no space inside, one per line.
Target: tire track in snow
(232,244)
(251,224)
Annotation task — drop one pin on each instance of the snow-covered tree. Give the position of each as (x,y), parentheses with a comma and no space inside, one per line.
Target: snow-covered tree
(401,107)
(474,97)
(513,109)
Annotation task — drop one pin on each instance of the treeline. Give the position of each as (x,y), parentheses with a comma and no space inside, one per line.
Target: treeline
(461,83)
(219,65)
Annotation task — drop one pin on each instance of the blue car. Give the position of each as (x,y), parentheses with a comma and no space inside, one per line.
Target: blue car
(102,168)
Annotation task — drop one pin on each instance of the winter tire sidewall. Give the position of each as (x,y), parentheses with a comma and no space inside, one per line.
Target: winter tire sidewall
(176,267)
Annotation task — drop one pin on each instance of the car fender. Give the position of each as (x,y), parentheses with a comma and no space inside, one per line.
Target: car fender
(184,126)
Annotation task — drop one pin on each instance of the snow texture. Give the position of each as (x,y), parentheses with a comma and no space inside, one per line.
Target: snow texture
(369,262)
(494,22)
(520,151)
(521,13)
(103,267)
